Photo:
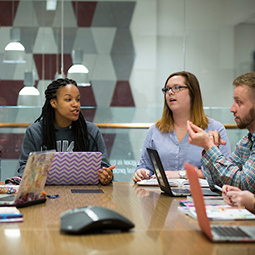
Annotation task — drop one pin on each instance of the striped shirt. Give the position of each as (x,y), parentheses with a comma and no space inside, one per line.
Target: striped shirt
(238,170)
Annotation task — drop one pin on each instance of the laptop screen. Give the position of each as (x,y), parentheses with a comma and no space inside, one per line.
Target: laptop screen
(160,179)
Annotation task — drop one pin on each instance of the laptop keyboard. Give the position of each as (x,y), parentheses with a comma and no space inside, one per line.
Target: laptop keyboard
(7,198)
(229,231)
(181,190)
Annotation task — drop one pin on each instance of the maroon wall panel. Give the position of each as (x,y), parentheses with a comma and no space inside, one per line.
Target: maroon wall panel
(87,96)
(84,12)
(8,11)
(10,144)
(122,95)
(9,91)
(47,62)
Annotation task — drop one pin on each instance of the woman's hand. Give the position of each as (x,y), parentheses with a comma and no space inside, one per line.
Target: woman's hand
(172,174)
(141,174)
(105,174)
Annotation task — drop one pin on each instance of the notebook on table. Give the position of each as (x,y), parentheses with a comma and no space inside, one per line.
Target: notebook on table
(31,187)
(163,181)
(172,182)
(216,233)
(74,168)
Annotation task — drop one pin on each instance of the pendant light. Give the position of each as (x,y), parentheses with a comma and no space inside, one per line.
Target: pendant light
(14,52)
(51,5)
(78,71)
(29,95)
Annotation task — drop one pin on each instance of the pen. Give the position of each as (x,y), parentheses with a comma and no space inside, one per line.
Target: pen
(218,188)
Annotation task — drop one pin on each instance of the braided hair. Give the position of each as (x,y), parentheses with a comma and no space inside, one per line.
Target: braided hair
(81,141)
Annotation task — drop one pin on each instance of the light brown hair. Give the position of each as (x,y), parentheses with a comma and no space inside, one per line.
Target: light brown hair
(247,79)
(198,117)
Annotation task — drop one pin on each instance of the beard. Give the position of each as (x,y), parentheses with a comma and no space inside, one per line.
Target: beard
(247,120)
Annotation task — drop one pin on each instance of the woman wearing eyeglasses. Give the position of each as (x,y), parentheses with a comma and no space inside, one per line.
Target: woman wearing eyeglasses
(169,136)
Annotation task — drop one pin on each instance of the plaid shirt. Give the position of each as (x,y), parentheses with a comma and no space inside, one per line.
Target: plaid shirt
(238,170)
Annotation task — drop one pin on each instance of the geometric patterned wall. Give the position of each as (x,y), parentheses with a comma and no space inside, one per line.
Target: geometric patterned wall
(100,29)
(129,47)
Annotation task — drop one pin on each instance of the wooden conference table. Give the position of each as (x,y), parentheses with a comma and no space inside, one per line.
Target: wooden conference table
(159,227)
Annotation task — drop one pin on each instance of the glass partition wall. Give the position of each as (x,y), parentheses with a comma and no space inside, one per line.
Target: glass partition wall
(129,49)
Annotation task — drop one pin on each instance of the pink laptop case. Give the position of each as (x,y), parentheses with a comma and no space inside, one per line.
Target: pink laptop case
(73,168)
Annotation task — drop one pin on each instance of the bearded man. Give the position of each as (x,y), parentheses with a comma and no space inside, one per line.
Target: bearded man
(239,169)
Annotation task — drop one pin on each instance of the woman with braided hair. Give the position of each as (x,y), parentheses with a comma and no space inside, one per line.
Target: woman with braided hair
(61,126)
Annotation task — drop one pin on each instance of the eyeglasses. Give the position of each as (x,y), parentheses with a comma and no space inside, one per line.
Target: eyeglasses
(175,89)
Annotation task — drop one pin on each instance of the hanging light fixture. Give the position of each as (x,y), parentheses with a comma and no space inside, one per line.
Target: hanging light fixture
(29,95)
(61,75)
(51,5)
(78,71)
(14,52)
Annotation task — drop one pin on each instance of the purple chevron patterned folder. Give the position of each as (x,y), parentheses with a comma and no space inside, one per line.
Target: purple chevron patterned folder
(72,168)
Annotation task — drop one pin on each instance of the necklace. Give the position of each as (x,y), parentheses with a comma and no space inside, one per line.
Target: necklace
(180,128)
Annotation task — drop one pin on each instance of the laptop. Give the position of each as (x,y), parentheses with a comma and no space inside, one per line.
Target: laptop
(163,181)
(30,190)
(161,176)
(74,168)
(216,233)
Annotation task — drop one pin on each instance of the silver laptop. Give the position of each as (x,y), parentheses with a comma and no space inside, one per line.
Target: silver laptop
(216,233)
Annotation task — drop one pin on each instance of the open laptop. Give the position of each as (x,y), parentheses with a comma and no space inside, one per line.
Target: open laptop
(216,233)
(31,187)
(74,168)
(161,176)
(163,181)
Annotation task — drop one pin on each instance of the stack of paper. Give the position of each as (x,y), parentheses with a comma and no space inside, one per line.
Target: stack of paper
(219,212)
(225,213)
(10,214)
(210,202)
